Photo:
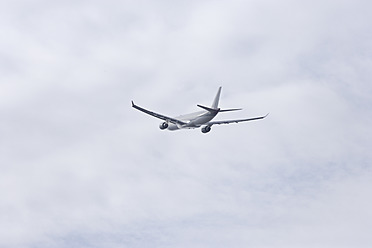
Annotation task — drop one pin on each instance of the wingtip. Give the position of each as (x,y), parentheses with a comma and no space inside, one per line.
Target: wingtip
(267,114)
(133,103)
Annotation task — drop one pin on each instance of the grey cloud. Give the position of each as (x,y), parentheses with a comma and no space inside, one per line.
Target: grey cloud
(81,168)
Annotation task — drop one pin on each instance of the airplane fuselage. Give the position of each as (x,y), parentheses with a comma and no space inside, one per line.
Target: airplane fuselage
(193,120)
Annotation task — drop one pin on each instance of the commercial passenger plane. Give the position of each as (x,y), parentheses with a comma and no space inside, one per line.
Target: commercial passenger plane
(197,119)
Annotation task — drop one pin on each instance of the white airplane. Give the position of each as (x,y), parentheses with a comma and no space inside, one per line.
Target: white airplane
(197,119)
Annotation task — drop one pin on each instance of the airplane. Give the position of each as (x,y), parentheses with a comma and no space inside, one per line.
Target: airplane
(197,119)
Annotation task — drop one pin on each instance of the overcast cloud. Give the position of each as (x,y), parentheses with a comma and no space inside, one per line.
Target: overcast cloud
(81,168)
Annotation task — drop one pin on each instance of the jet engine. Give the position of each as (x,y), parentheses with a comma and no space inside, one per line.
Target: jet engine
(206,129)
(163,125)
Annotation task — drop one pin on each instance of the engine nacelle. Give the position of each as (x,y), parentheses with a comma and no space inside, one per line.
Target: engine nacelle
(163,125)
(206,129)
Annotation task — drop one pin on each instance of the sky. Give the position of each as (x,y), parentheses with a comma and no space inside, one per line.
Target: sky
(81,168)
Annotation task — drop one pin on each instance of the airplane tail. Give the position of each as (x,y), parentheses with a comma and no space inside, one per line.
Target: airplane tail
(214,107)
(216,99)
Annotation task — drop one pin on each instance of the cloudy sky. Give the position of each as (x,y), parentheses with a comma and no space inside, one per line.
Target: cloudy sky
(81,168)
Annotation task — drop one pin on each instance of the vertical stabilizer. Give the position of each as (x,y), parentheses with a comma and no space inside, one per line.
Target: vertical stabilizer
(216,99)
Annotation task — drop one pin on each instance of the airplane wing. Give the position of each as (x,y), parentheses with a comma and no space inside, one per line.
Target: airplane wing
(163,117)
(234,121)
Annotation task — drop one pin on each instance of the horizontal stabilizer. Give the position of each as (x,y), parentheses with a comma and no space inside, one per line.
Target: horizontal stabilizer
(208,109)
(227,110)
(217,110)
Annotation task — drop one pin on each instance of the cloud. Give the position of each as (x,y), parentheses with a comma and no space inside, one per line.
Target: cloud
(81,168)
